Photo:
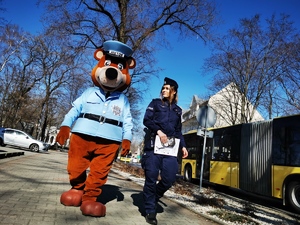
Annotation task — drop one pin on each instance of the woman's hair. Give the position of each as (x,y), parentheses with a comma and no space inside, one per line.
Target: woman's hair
(173,95)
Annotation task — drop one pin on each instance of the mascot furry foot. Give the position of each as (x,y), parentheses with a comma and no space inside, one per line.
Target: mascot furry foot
(71,198)
(91,208)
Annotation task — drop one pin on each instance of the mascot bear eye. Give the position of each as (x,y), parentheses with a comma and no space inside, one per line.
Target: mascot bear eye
(120,66)
(107,62)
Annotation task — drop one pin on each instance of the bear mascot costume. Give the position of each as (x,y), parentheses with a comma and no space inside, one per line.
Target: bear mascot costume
(101,122)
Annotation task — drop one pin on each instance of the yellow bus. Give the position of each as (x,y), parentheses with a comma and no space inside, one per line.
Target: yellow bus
(259,157)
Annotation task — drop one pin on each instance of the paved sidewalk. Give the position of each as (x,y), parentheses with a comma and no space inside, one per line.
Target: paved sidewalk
(31,185)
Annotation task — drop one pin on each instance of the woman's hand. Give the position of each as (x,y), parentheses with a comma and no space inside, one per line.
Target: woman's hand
(184,152)
(163,137)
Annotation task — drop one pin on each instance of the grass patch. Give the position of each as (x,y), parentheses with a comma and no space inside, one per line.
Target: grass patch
(232,217)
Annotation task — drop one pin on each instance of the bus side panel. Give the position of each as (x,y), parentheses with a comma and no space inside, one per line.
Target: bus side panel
(234,179)
(279,175)
(224,173)
(220,173)
(255,158)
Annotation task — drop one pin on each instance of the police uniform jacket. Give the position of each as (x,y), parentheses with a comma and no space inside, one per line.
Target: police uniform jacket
(95,115)
(160,115)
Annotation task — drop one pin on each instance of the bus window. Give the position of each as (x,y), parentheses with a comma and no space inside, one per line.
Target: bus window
(294,147)
(193,145)
(226,146)
(286,143)
(215,149)
(222,147)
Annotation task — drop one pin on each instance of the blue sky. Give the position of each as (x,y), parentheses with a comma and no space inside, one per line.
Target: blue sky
(185,70)
(190,78)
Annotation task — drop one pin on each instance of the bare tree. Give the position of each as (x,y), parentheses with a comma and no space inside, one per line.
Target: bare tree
(11,38)
(254,58)
(60,66)
(42,71)
(42,75)
(18,78)
(290,82)
(142,24)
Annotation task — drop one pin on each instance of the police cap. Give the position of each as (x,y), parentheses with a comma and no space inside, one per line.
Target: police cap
(117,49)
(171,83)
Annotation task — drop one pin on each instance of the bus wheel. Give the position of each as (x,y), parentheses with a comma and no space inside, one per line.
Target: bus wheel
(187,173)
(293,195)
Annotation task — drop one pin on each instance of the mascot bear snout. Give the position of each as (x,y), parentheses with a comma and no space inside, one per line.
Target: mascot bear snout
(111,74)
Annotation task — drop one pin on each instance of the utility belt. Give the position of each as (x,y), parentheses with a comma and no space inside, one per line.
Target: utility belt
(100,119)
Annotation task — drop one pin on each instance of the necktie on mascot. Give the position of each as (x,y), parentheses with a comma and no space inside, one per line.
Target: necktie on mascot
(101,121)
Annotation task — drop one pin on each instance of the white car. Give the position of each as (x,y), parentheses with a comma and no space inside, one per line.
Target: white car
(21,139)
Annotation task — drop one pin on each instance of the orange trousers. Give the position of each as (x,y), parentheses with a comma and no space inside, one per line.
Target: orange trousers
(94,153)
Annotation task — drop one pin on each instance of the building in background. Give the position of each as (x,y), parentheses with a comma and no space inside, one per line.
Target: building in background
(227,104)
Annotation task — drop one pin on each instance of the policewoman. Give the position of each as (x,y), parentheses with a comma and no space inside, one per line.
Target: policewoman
(162,118)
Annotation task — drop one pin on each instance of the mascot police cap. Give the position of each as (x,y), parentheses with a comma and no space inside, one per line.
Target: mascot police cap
(171,83)
(117,49)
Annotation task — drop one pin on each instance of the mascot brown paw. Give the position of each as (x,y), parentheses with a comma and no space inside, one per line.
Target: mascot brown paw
(71,198)
(91,208)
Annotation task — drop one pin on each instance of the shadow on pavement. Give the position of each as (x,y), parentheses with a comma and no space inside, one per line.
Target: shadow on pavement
(139,202)
(109,193)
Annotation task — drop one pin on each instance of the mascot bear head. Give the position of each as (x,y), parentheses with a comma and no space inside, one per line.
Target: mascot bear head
(112,71)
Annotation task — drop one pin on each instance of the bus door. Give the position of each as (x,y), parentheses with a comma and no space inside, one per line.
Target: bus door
(224,166)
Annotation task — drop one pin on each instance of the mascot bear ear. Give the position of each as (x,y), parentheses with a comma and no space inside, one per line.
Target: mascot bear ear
(98,54)
(131,62)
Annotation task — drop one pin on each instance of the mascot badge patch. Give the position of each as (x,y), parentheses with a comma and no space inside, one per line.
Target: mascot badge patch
(101,121)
